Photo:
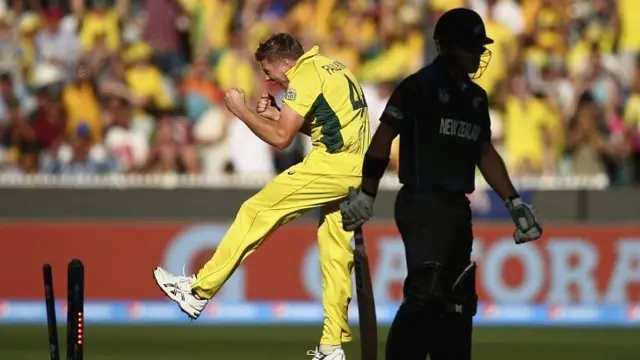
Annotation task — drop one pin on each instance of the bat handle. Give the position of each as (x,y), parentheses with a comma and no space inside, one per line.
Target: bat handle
(358,237)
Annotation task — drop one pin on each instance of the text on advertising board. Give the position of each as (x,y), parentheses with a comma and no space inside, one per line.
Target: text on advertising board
(572,264)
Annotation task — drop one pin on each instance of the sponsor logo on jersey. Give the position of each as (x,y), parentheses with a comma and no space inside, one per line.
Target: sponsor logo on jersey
(290,95)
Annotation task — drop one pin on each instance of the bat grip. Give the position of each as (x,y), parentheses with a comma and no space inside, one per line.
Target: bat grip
(358,237)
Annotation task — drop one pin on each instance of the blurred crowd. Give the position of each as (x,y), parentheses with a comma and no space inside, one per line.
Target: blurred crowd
(137,86)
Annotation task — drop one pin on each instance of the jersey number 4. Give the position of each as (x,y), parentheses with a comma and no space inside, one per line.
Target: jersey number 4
(356,96)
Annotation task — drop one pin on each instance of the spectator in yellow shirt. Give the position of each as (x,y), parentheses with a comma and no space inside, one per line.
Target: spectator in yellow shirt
(28,27)
(81,103)
(395,62)
(211,21)
(100,19)
(629,42)
(503,52)
(338,48)
(144,79)
(361,23)
(527,130)
(550,32)
(235,67)
(311,16)
(444,5)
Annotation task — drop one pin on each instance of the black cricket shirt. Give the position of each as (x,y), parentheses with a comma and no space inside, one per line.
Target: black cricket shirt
(442,126)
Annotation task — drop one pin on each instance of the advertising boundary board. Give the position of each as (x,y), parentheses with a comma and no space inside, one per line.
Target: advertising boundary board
(585,265)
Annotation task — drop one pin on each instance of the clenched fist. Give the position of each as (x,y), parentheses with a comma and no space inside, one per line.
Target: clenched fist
(234,99)
(267,107)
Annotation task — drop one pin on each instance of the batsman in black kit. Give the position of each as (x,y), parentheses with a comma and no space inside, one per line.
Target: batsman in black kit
(442,118)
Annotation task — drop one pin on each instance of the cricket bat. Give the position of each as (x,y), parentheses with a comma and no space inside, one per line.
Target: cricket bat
(366,302)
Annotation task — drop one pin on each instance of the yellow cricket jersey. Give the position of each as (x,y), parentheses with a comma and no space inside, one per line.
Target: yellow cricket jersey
(94,25)
(82,107)
(524,121)
(444,5)
(502,53)
(330,99)
(630,25)
(148,81)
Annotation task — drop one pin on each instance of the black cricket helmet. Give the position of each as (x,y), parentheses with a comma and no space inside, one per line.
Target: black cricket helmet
(461,38)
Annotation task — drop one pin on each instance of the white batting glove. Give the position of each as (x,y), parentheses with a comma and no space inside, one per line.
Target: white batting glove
(357,210)
(524,217)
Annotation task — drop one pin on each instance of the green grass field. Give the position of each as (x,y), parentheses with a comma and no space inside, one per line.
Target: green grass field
(289,343)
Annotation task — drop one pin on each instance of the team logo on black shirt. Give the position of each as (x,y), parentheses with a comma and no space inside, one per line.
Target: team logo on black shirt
(444,96)
(459,128)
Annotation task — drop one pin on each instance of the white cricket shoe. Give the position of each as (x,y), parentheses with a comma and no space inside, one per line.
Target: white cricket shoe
(178,289)
(337,354)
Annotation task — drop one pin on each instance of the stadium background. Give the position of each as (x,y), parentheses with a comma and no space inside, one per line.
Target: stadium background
(115,148)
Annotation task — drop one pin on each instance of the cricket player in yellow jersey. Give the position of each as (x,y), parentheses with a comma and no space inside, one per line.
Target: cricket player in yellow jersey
(325,101)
